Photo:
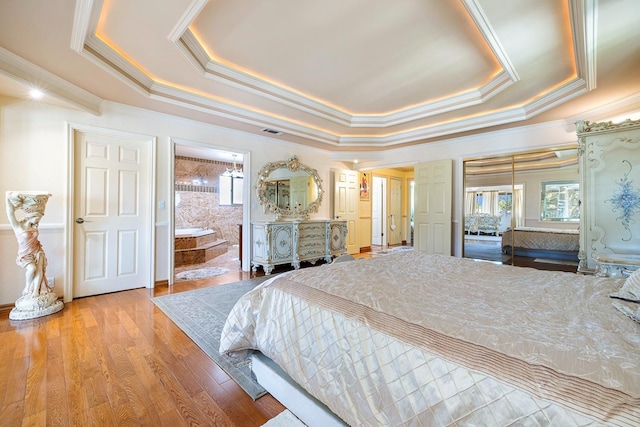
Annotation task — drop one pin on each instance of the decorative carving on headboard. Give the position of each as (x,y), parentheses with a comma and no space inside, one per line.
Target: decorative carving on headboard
(626,200)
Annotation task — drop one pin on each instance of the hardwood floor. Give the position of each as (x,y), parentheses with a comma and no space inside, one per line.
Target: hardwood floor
(116,359)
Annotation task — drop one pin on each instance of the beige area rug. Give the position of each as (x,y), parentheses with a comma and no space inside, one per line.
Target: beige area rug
(284,419)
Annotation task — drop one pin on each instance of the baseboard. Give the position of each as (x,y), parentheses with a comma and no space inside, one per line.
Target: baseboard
(365,249)
(161,283)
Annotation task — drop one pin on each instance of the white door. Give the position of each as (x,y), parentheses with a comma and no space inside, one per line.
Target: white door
(298,191)
(378,211)
(394,234)
(346,194)
(112,228)
(433,207)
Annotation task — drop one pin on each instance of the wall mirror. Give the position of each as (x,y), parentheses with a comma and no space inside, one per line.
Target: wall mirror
(521,208)
(289,189)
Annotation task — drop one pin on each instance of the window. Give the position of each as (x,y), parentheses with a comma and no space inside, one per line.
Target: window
(504,203)
(231,185)
(560,201)
(230,190)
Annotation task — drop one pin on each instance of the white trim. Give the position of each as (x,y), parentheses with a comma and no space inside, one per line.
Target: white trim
(25,72)
(482,22)
(584,28)
(190,14)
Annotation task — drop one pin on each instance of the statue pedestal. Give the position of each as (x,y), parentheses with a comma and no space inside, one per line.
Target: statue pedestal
(24,211)
(30,307)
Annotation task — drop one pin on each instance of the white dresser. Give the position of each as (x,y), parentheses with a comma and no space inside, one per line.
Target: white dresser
(291,242)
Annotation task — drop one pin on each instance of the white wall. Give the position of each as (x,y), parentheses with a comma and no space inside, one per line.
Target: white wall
(34,156)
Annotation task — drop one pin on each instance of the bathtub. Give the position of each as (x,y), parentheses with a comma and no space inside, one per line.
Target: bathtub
(192,232)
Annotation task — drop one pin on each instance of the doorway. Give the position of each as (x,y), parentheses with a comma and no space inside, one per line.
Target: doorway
(378,211)
(208,211)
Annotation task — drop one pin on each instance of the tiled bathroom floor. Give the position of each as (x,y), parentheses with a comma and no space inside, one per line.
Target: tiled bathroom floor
(229,260)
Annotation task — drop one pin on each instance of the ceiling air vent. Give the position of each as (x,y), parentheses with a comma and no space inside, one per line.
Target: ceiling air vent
(272,131)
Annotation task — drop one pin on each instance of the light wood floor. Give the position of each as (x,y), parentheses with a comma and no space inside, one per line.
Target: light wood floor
(116,359)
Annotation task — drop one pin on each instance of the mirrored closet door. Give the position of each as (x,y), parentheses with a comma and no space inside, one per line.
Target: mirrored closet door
(523,208)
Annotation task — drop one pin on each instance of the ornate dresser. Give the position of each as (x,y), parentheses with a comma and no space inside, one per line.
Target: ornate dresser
(291,242)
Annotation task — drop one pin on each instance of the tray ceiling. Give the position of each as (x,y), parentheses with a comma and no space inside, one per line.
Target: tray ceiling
(356,75)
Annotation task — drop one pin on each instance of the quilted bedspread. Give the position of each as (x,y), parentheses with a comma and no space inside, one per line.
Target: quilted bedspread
(417,339)
(542,238)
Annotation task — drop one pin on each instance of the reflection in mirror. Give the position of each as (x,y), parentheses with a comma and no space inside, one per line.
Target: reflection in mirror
(289,189)
(560,201)
(503,193)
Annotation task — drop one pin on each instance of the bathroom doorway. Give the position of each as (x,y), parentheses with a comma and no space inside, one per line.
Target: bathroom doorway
(208,212)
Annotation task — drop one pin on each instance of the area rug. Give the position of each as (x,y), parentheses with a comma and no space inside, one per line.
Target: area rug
(392,250)
(487,251)
(201,314)
(201,273)
(284,419)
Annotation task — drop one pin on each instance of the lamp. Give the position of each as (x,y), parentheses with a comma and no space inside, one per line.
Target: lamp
(235,172)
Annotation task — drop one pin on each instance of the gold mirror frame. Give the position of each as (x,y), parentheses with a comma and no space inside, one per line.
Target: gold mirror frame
(293,165)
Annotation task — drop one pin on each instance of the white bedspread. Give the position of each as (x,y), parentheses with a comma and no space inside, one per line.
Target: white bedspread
(416,339)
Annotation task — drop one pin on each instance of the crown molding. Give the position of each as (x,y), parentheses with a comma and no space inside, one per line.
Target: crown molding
(604,112)
(583,15)
(562,94)
(31,75)
(189,45)
(584,27)
(196,55)
(190,14)
(220,108)
(486,29)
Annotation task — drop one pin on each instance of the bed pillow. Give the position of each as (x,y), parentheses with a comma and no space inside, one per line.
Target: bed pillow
(630,291)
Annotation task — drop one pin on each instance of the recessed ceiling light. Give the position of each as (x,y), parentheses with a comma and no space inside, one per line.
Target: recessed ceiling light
(36,93)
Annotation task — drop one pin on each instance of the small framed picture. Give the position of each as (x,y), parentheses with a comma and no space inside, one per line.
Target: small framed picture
(364,186)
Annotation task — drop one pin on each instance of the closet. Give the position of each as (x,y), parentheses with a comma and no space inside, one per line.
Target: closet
(535,191)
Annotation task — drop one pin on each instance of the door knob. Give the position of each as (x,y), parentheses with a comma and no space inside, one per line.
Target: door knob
(80,220)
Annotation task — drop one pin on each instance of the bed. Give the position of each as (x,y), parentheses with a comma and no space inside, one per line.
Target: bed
(416,339)
(548,243)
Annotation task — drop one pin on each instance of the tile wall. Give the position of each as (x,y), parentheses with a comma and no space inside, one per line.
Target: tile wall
(197,188)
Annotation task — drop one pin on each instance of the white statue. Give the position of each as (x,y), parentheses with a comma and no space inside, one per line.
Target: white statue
(38,298)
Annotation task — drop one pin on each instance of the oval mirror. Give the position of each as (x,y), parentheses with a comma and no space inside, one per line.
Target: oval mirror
(289,189)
